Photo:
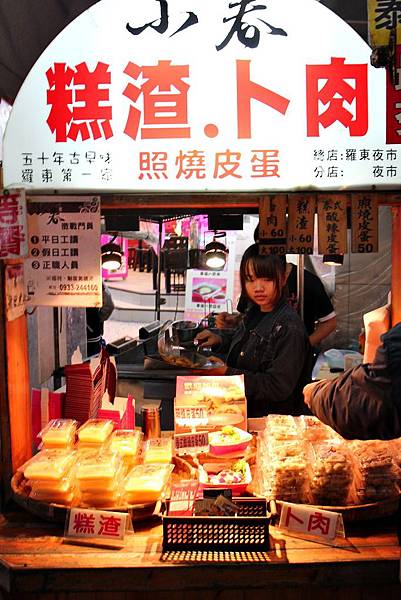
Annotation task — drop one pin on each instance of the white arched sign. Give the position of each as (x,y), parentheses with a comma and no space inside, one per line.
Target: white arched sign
(188,95)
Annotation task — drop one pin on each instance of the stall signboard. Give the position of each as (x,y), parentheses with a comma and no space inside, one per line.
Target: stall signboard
(63,264)
(208,403)
(364,223)
(300,227)
(15,291)
(167,95)
(13,227)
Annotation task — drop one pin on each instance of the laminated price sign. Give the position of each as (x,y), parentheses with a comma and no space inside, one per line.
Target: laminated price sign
(309,522)
(194,443)
(97,527)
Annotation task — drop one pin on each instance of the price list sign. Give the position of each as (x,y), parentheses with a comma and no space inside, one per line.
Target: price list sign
(272,224)
(332,224)
(364,223)
(301,213)
(63,265)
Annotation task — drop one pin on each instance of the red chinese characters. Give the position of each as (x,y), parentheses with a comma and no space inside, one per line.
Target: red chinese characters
(77,98)
(248,90)
(334,93)
(165,113)
(11,232)
(84,523)
(157,99)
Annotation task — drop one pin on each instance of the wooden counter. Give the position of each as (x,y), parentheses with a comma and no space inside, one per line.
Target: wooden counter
(36,564)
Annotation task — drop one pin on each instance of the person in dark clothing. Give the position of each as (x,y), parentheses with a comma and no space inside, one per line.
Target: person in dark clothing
(95,318)
(270,347)
(363,402)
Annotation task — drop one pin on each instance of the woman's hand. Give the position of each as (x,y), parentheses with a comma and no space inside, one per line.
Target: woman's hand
(225,320)
(219,367)
(208,338)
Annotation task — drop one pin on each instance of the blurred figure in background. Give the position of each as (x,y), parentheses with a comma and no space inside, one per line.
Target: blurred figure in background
(95,317)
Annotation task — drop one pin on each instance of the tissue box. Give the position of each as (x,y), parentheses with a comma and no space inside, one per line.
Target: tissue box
(122,412)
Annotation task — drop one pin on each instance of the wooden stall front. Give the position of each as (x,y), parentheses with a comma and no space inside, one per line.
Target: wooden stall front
(35,563)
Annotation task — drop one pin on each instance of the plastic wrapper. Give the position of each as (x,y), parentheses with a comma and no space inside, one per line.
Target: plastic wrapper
(95,431)
(158,450)
(331,474)
(376,473)
(285,472)
(101,500)
(127,444)
(395,449)
(49,464)
(95,470)
(66,498)
(146,483)
(313,430)
(59,433)
(281,427)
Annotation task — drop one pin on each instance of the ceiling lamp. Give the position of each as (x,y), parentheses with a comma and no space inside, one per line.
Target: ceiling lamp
(111,255)
(216,253)
(333,260)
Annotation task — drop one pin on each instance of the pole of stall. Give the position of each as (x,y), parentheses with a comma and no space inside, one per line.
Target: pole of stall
(159,271)
(396,266)
(300,285)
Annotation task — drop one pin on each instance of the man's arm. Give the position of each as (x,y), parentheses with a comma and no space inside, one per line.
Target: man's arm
(322,330)
(357,404)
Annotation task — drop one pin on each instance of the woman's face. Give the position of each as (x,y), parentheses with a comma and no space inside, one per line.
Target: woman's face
(260,290)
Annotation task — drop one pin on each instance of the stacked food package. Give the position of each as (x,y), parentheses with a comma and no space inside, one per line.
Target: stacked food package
(298,459)
(95,466)
(51,476)
(283,461)
(330,473)
(302,460)
(375,472)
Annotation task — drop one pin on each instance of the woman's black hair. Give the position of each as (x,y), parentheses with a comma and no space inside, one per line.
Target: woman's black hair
(269,266)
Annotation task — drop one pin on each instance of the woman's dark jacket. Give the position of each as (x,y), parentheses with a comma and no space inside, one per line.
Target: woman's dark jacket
(365,402)
(275,358)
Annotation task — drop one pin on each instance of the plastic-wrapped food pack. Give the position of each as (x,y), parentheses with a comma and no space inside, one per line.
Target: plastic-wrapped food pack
(331,474)
(375,472)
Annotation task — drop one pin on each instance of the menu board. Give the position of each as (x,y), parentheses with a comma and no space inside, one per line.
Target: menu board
(207,403)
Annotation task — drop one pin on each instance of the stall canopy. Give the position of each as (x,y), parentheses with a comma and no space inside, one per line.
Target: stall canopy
(202,97)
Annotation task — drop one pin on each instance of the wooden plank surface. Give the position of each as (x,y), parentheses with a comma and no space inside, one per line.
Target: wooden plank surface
(34,560)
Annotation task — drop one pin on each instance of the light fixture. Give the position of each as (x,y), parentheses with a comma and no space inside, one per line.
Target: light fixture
(111,255)
(333,260)
(216,253)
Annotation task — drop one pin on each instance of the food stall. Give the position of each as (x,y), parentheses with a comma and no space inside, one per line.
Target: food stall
(37,558)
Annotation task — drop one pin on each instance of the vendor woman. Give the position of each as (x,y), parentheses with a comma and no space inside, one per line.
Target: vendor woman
(270,347)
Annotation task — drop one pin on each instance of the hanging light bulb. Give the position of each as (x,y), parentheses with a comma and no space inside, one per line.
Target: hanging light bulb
(333,260)
(111,255)
(216,253)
